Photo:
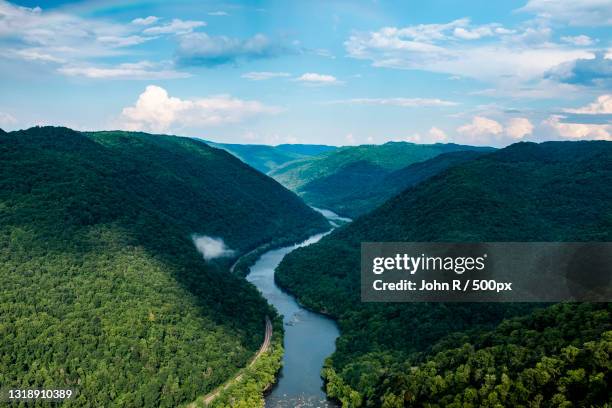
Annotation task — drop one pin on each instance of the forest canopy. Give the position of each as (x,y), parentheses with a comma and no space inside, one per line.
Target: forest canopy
(468,355)
(103,290)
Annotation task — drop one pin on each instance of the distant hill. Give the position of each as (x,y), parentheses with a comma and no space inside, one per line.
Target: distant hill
(267,158)
(554,191)
(103,289)
(361,186)
(331,180)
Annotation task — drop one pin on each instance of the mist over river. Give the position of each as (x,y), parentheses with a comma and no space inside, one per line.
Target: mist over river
(309,338)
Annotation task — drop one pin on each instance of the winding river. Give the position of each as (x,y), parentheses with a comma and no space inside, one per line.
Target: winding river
(309,338)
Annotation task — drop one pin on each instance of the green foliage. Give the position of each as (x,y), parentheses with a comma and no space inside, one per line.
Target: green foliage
(560,357)
(256,379)
(555,191)
(360,187)
(354,180)
(102,288)
(267,158)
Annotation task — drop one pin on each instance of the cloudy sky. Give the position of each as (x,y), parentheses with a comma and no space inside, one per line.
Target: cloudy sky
(334,72)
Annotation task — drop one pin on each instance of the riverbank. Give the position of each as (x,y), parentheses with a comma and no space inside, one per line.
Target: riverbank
(309,338)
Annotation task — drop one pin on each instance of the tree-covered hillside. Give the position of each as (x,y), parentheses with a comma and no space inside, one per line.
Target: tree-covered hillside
(386,355)
(360,187)
(102,288)
(266,158)
(330,180)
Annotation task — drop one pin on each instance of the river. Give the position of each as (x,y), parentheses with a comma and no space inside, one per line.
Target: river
(309,338)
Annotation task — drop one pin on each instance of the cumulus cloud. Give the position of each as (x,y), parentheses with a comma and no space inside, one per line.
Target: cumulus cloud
(202,49)
(176,26)
(313,78)
(578,131)
(481,126)
(264,75)
(602,105)
(434,135)
(142,70)
(156,111)
(577,13)
(401,102)
(437,135)
(145,21)
(518,128)
(211,248)
(483,130)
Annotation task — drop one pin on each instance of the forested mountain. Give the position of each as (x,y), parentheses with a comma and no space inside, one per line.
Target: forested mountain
(331,180)
(387,354)
(103,290)
(360,187)
(267,158)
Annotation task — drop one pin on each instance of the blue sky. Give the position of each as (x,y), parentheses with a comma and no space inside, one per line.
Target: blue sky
(334,72)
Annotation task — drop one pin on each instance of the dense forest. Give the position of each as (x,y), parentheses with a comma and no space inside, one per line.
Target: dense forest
(360,186)
(341,180)
(103,290)
(267,158)
(467,355)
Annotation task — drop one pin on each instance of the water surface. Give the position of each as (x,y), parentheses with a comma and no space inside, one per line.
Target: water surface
(309,338)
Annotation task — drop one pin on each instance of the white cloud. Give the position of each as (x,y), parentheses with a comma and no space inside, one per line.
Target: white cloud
(6,119)
(483,130)
(143,70)
(578,131)
(70,41)
(57,32)
(212,248)
(176,26)
(126,41)
(474,34)
(579,40)
(603,105)
(480,128)
(350,139)
(264,75)
(401,102)
(36,54)
(156,111)
(318,79)
(145,21)
(437,135)
(512,60)
(434,135)
(518,128)
(576,13)
(218,13)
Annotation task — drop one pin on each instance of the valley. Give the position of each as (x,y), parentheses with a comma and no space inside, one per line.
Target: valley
(160,258)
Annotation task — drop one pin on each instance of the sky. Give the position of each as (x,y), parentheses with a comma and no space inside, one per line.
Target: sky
(325,72)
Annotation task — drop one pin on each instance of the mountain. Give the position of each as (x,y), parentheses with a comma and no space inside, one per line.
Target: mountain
(267,158)
(331,179)
(360,186)
(554,191)
(103,289)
